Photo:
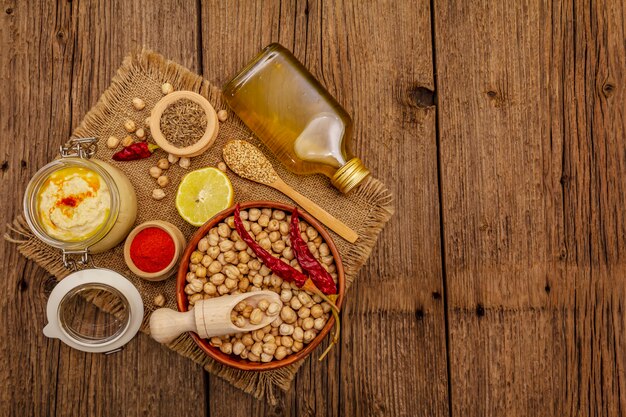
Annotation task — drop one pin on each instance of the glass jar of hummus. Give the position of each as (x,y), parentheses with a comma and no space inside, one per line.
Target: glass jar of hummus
(80,205)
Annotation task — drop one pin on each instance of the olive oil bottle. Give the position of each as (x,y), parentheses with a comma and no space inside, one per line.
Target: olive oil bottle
(294,115)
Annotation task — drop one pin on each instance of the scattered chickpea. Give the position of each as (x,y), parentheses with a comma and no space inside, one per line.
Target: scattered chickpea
(112,142)
(167,88)
(140,133)
(221,166)
(159,300)
(127,141)
(158,194)
(184,162)
(163,181)
(163,163)
(172,159)
(138,103)
(155,172)
(146,122)
(222,115)
(130,126)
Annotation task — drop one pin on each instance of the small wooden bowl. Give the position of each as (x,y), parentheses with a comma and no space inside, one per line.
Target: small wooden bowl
(183,304)
(203,143)
(179,243)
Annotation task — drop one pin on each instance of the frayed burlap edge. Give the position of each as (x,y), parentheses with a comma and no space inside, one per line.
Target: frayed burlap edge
(258,384)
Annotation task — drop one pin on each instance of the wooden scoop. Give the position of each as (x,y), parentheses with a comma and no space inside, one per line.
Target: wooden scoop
(247,161)
(208,318)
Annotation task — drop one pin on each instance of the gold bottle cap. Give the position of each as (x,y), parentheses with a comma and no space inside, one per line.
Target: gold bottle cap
(350,175)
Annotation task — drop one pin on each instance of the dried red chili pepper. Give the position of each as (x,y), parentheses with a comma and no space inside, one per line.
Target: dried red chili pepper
(307,261)
(288,273)
(280,268)
(135,151)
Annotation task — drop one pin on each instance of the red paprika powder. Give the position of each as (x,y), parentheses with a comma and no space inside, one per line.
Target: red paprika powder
(152,249)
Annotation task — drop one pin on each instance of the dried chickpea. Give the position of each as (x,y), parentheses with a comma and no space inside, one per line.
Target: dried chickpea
(287,253)
(130,126)
(163,181)
(226,348)
(209,288)
(324,250)
(226,245)
(298,334)
(265,243)
(159,300)
(286,341)
(213,239)
(200,271)
(308,323)
(319,323)
(283,228)
(112,142)
(240,245)
(309,335)
(257,348)
(222,115)
(221,166)
(273,225)
(254,214)
(256,316)
(215,341)
(203,245)
(195,257)
(243,268)
(127,141)
(155,172)
(230,283)
(278,246)
(217,279)
(167,88)
(238,347)
(295,303)
(280,353)
(194,297)
(278,215)
(231,257)
(269,348)
(190,275)
(264,271)
(286,329)
(247,340)
(214,267)
(140,133)
(264,220)
(213,251)
(317,311)
(288,315)
(304,312)
(274,236)
(158,194)
(222,289)
(243,284)
(285,295)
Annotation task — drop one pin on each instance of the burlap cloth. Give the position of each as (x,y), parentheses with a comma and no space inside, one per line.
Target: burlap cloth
(366,209)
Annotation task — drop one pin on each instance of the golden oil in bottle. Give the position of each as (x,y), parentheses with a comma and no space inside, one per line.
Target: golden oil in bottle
(292,113)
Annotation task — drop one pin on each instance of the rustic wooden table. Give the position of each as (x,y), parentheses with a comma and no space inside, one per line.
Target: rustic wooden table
(497,288)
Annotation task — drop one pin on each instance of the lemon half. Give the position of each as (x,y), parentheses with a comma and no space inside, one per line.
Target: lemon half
(202,194)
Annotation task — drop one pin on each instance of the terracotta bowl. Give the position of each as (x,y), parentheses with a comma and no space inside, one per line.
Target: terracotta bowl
(232,360)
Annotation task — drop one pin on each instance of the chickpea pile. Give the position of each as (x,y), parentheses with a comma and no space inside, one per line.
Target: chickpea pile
(223,264)
(244,313)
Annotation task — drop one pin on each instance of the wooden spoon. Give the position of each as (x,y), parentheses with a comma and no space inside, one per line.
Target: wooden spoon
(247,161)
(208,318)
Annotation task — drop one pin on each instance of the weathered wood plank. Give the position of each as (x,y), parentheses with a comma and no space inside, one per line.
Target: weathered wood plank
(373,60)
(531,122)
(56,63)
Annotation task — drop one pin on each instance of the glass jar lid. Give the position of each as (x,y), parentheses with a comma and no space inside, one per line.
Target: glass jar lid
(94,310)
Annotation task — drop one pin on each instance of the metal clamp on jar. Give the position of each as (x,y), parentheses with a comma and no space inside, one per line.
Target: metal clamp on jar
(84,206)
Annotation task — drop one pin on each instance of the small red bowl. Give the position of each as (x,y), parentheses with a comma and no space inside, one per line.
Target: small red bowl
(183,304)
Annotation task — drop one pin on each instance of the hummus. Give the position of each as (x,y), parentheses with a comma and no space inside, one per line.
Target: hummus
(74,203)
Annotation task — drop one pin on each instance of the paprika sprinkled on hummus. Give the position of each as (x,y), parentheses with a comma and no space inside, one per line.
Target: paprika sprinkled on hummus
(74,203)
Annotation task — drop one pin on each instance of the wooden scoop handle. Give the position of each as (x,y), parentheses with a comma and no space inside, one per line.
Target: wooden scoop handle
(166,324)
(319,213)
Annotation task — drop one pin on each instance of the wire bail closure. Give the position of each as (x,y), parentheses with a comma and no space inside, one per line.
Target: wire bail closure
(83,148)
